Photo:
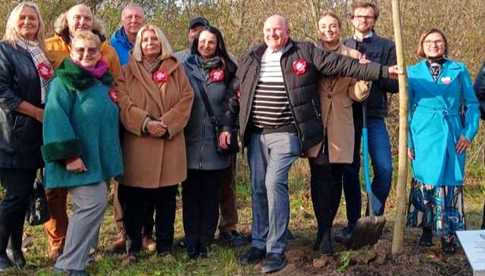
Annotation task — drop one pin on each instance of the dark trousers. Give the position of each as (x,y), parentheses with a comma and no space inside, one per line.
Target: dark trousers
(133,201)
(351,180)
(148,222)
(326,190)
(227,201)
(18,185)
(200,197)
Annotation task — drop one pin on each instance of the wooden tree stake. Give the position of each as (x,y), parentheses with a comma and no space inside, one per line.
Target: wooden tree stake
(401,198)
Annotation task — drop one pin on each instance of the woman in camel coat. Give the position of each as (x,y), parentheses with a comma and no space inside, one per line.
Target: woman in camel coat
(336,97)
(155,98)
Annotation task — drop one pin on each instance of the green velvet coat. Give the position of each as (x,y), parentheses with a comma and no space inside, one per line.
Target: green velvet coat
(80,123)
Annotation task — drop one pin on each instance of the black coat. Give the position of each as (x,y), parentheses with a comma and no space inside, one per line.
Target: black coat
(303,91)
(480,90)
(20,135)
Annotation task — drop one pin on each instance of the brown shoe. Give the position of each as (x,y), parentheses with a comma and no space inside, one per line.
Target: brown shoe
(119,245)
(149,244)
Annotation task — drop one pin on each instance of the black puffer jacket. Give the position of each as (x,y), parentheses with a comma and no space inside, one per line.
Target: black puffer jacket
(302,90)
(20,135)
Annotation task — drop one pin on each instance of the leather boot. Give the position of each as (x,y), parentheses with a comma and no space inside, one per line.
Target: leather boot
(318,241)
(326,247)
(18,258)
(4,260)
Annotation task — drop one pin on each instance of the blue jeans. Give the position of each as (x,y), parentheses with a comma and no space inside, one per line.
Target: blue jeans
(380,154)
(270,157)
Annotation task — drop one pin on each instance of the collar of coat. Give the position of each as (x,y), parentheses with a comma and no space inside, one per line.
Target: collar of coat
(76,78)
(258,50)
(168,65)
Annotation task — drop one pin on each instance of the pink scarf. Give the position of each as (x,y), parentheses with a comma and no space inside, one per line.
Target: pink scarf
(98,70)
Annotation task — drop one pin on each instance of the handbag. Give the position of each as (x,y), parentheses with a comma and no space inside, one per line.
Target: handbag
(322,158)
(233,147)
(37,212)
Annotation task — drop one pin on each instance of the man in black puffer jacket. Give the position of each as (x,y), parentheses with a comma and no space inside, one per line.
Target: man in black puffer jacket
(280,119)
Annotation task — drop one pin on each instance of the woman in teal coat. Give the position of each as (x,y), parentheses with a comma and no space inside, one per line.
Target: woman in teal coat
(81,144)
(443,120)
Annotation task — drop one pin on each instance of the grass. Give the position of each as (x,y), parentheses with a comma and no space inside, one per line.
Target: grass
(223,260)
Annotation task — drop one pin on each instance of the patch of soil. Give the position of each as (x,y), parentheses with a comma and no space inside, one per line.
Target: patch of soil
(375,260)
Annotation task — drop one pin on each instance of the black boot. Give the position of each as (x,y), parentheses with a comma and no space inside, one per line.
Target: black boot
(4,261)
(18,258)
(192,246)
(326,246)
(426,239)
(448,245)
(318,240)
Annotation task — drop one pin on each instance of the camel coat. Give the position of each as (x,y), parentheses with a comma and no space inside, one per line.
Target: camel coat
(154,162)
(336,97)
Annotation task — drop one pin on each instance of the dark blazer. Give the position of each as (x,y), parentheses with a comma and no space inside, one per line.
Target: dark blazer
(20,135)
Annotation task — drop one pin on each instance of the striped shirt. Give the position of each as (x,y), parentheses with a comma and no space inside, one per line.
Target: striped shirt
(271,108)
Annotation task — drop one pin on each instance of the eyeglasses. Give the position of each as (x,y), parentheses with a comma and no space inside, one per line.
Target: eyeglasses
(365,17)
(86,50)
(434,42)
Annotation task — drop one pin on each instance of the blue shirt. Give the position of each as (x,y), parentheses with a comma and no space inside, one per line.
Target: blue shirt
(119,41)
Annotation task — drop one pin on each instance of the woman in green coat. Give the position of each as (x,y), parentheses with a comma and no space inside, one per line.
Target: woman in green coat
(81,144)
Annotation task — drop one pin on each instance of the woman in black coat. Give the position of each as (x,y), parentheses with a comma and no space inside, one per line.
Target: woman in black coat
(24,76)
(211,73)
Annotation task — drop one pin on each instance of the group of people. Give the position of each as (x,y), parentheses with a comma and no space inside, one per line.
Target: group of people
(91,111)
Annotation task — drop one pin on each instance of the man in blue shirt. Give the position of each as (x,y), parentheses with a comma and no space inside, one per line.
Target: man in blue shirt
(123,40)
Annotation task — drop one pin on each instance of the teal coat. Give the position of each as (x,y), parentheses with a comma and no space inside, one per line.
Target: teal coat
(80,123)
(436,121)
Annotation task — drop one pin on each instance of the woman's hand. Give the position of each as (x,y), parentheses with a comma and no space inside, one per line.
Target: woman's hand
(462,144)
(410,154)
(156,128)
(39,115)
(76,165)
(224,139)
(363,60)
(394,72)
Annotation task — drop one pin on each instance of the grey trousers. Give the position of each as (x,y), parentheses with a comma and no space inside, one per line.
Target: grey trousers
(89,203)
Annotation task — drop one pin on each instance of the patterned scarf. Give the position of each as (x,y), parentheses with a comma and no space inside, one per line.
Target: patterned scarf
(434,65)
(208,64)
(40,60)
(152,66)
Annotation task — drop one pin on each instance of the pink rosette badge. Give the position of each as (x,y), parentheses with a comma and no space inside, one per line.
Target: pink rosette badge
(113,94)
(299,66)
(45,71)
(216,75)
(160,76)
(446,80)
